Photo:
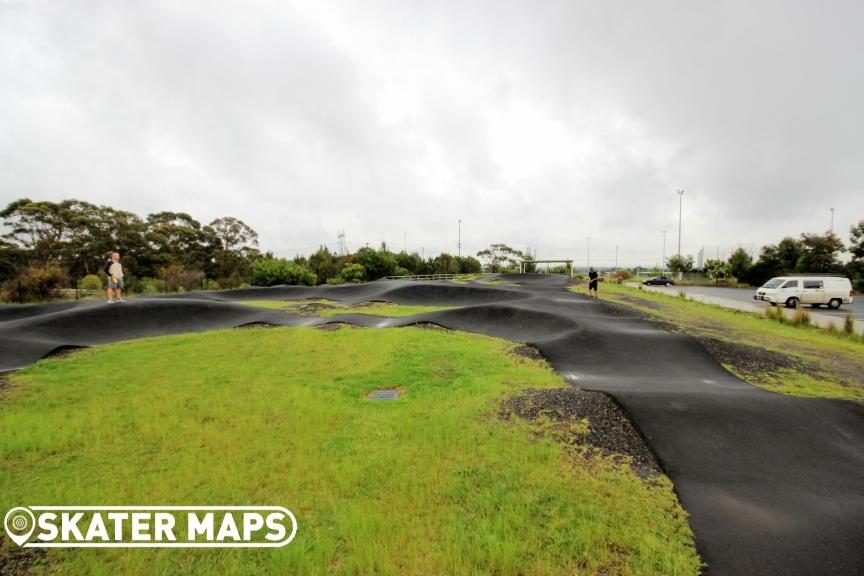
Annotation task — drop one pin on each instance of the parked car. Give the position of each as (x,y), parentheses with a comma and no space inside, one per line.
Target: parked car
(659,281)
(791,291)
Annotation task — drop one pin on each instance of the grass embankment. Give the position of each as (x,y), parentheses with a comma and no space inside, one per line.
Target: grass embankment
(432,483)
(795,360)
(332,308)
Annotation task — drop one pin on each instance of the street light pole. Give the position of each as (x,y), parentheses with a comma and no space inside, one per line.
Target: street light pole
(832,220)
(680,204)
(405,242)
(616,260)
(459,241)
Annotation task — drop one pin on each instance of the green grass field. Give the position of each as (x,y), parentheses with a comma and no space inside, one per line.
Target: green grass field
(432,483)
(333,308)
(826,365)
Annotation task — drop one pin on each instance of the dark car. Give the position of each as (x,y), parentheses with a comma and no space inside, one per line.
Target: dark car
(659,281)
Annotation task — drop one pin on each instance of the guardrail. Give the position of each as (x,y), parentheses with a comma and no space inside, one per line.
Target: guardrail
(428,277)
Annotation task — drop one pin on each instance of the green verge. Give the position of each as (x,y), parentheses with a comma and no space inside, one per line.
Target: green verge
(333,308)
(827,365)
(432,483)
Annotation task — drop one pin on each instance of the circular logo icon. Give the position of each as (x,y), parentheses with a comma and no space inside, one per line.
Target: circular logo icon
(19,523)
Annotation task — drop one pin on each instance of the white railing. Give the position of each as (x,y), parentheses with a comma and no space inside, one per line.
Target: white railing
(429,277)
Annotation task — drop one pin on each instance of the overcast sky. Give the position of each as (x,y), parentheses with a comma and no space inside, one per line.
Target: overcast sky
(537,123)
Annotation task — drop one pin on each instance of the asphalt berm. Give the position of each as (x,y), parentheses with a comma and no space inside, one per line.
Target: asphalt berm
(773,484)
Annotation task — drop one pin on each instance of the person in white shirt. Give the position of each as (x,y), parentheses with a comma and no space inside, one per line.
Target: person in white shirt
(114,270)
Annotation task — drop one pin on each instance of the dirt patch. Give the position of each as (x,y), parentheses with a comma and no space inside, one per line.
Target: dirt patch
(313,308)
(255,325)
(752,360)
(17,561)
(430,326)
(330,326)
(528,351)
(609,429)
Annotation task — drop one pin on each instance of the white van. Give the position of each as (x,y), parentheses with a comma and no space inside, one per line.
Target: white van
(814,290)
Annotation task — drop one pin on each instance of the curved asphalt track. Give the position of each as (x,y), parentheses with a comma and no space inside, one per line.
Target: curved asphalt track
(773,484)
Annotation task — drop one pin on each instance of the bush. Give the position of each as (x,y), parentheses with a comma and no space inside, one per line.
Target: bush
(179,279)
(36,283)
(377,263)
(353,273)
(274,271)
(90,282)
(152,286)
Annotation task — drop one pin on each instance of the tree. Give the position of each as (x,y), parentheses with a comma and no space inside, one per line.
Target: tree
(820,253)
(740,263)
(353,273)
(445,263)
(855,267)
(789,252)
(377,263)
(717,269)
(325,264)
(468,265)
(234,248)
(500,258)
(412,262)
(274,271)
(679,264)
(177,238)
(856,240)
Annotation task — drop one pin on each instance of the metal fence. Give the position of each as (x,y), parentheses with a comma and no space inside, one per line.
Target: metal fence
(430,277)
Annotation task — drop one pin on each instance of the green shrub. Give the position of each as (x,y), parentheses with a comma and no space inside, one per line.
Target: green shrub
(36,283)
(802,318)
(353,273)
(849,324)
(274,271)
(179,279)
(152,286)
(90,282)
(377,263)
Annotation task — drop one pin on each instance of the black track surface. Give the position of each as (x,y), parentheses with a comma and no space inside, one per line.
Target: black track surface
(773,484)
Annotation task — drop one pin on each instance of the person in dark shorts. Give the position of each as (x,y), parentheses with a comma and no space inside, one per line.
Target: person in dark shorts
(592,283)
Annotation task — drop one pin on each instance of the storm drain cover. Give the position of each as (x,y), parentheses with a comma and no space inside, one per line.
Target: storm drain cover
(383,395)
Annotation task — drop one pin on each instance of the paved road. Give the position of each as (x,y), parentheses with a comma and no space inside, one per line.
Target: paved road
(773,484)
(746,295)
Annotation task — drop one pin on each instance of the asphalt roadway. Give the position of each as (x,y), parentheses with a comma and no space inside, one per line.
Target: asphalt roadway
(773,484)
(746,295)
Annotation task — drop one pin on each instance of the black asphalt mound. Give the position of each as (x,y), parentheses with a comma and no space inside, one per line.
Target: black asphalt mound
(773,484)
(26,340)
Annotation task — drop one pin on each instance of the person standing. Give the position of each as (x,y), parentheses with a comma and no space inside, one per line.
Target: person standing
(114,270)
(592,283)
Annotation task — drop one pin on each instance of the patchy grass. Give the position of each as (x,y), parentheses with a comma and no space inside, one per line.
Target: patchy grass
(432,483)
(824,364)
(333,308)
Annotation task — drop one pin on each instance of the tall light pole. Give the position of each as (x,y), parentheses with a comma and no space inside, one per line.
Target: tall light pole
(832,220)
(664,251)
(459,241)
(405,242)
(680,205)
(616,260)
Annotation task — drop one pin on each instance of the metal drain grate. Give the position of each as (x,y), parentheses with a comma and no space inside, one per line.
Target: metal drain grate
(383,395)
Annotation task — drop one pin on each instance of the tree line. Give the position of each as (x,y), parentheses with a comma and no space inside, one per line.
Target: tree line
(808,254)
(48,246)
